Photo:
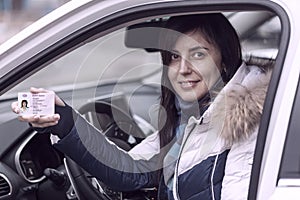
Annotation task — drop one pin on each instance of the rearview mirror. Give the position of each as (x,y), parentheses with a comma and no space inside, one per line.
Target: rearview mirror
(144,35)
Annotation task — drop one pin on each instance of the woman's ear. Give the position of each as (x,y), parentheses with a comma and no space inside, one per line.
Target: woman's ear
(224,67)
(224,74)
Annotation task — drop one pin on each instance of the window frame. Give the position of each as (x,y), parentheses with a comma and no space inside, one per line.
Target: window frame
(123,17)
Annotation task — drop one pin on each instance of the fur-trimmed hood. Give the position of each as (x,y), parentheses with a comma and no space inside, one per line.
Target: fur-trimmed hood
(240,103)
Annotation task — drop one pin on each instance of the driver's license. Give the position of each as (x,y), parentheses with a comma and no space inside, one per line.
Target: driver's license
(36,104)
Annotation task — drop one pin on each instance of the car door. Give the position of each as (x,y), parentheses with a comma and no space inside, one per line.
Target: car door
(288,178)
(272,162)
(55,41)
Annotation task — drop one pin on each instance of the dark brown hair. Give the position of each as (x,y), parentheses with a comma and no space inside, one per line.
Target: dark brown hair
(218,31)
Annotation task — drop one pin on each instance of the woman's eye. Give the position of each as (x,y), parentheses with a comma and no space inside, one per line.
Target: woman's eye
(198,55)
(174,56)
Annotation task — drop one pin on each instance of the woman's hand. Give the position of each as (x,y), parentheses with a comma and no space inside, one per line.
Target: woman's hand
(37,120)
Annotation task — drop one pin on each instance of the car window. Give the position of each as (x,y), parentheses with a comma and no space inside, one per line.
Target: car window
(107,60)
(98,68)
(265,36)
(290,164)
(103,60)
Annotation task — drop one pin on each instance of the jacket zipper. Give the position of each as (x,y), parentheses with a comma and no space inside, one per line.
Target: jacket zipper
(212,177)
(175,184)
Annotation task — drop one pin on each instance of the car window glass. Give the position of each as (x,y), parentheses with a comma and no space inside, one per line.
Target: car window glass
(290,164)
(107,60)
(264,39)
(102,61)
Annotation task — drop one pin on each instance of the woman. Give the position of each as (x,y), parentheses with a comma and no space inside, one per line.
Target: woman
(24,106)
(187,158)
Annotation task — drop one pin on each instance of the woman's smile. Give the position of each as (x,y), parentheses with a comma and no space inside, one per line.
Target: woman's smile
(188,84)
(195,66)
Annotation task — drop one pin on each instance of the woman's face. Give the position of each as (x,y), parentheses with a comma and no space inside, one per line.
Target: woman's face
(195,66)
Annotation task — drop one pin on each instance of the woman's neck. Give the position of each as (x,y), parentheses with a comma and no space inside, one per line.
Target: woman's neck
(187,109)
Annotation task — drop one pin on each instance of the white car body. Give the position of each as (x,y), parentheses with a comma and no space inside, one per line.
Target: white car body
(75,16)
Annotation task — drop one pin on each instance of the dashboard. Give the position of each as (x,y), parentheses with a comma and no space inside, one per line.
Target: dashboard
(24,161)
(34,155)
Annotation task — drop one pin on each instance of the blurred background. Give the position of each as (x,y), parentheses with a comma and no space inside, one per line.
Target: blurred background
(15,15)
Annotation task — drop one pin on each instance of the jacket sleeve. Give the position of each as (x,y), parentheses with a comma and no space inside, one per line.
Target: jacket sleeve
(103,159)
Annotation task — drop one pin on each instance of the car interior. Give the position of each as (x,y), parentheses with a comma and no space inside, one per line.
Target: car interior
(113,79)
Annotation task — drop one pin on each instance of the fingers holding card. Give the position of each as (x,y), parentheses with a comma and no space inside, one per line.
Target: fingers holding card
(40,121)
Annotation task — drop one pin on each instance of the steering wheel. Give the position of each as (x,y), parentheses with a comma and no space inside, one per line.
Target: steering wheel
(118,128)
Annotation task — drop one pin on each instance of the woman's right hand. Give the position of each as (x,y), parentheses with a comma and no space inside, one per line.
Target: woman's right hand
(37,120)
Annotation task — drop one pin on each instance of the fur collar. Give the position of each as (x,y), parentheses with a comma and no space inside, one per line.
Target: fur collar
(241,101)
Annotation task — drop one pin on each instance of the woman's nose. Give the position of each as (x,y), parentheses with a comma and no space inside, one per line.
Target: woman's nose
(185,67)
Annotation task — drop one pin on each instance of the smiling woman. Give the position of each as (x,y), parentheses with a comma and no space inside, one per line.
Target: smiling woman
(194,69)
(194,59)
(155,100)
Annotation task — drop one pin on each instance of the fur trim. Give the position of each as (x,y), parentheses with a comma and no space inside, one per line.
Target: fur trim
(243,109)
(243,106)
